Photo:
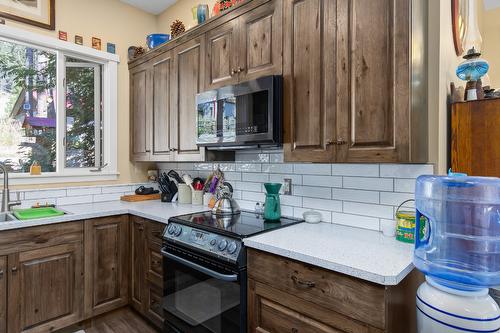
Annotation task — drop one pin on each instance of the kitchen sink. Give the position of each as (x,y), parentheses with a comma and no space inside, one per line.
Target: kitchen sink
(6,217)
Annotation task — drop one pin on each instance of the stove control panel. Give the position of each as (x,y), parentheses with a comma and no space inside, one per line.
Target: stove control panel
(216,245)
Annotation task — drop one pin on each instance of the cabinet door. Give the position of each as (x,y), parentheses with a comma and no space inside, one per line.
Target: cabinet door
(310,79)
(45,288)
(106,265)
(222,55)
(374,89)
(260,46)
(140,113)
(154,310)
(137,271)
(3,294)
(189,59)
(161,79)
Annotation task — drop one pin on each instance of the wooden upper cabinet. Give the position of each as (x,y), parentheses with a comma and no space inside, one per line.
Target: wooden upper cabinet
(188,78)
(222,55)
(260,36)
(309,80)
(107,264)
(162,93)
(45,288)
(373,115)
(140,113)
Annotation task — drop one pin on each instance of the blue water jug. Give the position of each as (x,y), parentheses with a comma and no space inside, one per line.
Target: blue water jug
(461,245)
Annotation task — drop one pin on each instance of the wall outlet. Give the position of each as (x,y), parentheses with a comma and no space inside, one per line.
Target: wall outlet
(287,186)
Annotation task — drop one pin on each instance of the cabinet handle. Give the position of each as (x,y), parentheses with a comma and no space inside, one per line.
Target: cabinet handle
(330,142)
(302,283)
(1,273)
(173,149)
(294,330)
(340,141)
(241,69)
(14,269)
(233,72)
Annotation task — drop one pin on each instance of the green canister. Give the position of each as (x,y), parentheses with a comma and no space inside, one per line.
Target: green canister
(272,206)
(405,229)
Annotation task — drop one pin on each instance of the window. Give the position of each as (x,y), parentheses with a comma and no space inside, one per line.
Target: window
(57,107)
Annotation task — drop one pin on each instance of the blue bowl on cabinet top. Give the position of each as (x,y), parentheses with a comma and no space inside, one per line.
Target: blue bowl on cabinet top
(155,40)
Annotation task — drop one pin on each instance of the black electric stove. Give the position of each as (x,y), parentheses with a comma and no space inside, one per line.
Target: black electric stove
(204,261)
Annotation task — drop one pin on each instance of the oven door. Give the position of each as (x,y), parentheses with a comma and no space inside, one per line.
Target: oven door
(202,295)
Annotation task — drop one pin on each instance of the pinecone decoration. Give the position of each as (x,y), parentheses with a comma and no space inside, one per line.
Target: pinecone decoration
(177,28)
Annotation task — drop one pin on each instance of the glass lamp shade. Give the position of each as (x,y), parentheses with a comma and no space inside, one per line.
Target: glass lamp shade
(473,68)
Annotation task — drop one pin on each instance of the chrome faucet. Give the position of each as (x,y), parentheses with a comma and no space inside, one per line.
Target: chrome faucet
(6,203)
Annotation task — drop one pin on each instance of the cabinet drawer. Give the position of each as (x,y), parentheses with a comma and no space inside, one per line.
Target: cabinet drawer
(154,264)
(154,309)
(154,231)
(25,239)
(357,299)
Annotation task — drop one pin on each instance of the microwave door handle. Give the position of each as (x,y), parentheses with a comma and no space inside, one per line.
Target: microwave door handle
(199,268)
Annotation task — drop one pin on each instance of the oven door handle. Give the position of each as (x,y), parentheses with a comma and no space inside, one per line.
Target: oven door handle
(199,268)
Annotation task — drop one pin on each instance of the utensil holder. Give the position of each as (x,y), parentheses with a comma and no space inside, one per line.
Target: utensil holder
(185,196)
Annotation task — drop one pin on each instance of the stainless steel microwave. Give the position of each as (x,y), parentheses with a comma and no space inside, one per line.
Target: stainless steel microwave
(245,115)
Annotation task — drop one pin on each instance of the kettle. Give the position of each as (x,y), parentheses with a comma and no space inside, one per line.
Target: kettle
(225,204)
(272,206)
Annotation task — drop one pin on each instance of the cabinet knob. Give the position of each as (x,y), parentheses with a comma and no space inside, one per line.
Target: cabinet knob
(1,273)
(329,142)
(14,269)
(233,71)
(240,69)
(340,141)
(173,149)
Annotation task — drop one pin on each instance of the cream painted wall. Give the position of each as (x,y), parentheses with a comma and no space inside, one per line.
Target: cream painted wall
(115,22)
(490,30)
(181,10)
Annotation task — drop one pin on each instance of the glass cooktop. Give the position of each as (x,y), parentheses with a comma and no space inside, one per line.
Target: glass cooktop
(241,225)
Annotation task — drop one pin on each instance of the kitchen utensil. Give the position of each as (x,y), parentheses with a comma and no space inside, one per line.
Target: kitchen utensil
(142,190)
(312,216)
(188,180)
(154,40)
(272,206)
(175,176)
(185,196)
(206,199)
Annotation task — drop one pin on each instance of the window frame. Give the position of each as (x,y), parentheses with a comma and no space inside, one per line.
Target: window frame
(109,92)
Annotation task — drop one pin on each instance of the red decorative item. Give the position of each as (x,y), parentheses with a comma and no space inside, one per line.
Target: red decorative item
(223,5)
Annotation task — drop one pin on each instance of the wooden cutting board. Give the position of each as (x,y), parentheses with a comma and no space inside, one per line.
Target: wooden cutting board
(138,197)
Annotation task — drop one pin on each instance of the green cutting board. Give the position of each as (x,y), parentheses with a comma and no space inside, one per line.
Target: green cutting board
(37,213)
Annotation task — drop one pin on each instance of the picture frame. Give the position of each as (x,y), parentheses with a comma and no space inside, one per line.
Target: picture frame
(96,43)
(39,13)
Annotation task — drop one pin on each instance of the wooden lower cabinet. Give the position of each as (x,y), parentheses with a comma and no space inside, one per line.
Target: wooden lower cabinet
(106,264)
(137,247)
(288,296)
(3,294)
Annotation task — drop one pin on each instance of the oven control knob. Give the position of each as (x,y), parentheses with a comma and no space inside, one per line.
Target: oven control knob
(222,245)
(213,242)
(171,229)
(231,249)
(178,231)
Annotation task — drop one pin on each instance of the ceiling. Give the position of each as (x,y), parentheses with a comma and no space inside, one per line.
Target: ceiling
(151,6)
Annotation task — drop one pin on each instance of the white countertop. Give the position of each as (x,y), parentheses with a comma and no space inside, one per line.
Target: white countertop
(153,210)
(361,253)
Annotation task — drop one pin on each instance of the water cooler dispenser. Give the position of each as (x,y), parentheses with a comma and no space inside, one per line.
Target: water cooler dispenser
(459,253)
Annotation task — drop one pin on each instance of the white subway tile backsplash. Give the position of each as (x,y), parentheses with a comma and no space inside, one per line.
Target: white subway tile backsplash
(248,167)
(117,189)
(362,170)
(405,170)
(395,199)
(357,221)
(255,177)
(356,195)
(107,197)
(312,169)
(322,204)
(404,185)
(312,191)
(365,183)
(291,200)
(74,200)
(42,194)
(203,166)
(385,212)
(280,178)
(75,191)
(323,181)
(277,168)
